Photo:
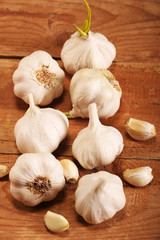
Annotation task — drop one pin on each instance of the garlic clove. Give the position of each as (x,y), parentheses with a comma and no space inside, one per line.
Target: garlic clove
(56,222)
(140,130)
(138,177)
(3,171)
(70,170)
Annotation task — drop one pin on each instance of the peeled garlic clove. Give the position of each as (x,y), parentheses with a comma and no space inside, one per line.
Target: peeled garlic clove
(70,170)
(140,130)
(3,171)
(40,129)
(94,85)
(138,177)
(56,222)
(40,75)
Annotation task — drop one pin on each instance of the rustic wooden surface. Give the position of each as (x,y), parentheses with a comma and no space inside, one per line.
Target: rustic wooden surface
(134,27)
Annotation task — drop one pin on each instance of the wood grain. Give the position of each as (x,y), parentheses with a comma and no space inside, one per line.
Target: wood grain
(142,103)
(134,27)
(140,213)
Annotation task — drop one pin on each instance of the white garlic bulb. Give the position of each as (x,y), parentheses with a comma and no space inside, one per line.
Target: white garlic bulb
(40,75)
(86,49)
(99,196)
(93,51)
(94,85)
(138,177)
(40,130)
(36,177)
(97,145)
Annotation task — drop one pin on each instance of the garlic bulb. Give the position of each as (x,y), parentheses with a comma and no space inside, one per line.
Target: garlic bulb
(97,145)
(36,177)
(40,130)
(86,49)
(99,196)
(94,85)
(40,75)
(138,177)
(93,51)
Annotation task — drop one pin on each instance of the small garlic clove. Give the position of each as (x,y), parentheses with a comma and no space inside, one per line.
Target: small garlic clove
(140,130)
(3,171)
(55,222)
(70,170)
(138,177)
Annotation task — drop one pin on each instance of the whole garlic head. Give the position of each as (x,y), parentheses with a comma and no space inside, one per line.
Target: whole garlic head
(40,130)
(97,145)
(99,196)
(86,49)
(138,177)
(93,51)
(40,75)
(36,177)
(94,85)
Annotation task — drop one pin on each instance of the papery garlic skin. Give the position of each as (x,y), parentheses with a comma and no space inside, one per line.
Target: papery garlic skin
(40,130)
(97,145)
(40,75)
(36,177)
(99,196)
(94,85)
(139,177)
(93,51)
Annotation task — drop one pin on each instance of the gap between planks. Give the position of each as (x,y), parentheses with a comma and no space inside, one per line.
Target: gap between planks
(71,156)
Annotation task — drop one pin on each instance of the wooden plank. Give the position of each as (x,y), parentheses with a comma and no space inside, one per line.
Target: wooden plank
(136,219)
(140,102)
(26,26)
(133,26)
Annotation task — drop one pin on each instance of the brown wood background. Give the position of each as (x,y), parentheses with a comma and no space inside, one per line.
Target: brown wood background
(134,27)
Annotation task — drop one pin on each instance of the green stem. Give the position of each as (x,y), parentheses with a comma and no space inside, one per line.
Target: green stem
(80,31)
(83,31)
(67,115)
(89,17)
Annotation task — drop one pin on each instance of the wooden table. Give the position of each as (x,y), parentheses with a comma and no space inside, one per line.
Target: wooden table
(133,27)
